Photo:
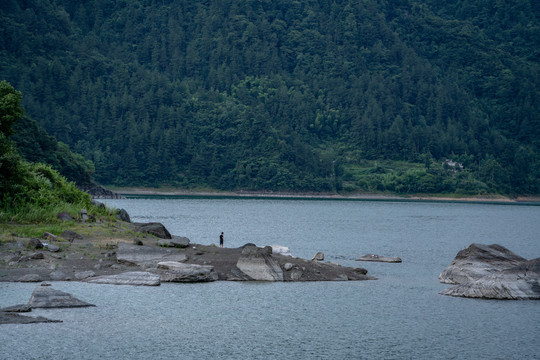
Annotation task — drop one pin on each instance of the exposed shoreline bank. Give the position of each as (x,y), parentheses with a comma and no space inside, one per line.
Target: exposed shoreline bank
(142,191)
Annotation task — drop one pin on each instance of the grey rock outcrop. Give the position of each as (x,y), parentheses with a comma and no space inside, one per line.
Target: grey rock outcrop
(146,256)
(318,256)
(477,261)
(259,264)
(180,241)
(153,228)
(180,272)
(492,272)
(377,258)
(136,278)
(47,297)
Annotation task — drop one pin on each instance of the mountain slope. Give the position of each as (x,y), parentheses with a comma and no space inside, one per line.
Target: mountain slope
(281,95)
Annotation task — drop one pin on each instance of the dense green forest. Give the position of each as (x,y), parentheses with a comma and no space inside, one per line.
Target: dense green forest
(286,95)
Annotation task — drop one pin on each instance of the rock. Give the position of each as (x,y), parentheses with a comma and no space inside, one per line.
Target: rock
(81,275)
(154,228)
(281,250)
(259,264)
(64,216)
(180,241)
(136,278)
(138,242)
(48,236)
(99,192)
(47,297)
(30,278)
(518,283)
(146,256)
(477,261)
(34,243)
(180,272)
(377,258)
(17,308)
(123,215)
(98,204)
(33,256)
(318,256)
(13,318)
(288,266)
(492,272)
(53,248)
(84,215)
(70,235)
(57,275)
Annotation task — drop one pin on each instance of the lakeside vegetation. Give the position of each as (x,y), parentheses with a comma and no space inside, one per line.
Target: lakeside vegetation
(32,192)
(314,96)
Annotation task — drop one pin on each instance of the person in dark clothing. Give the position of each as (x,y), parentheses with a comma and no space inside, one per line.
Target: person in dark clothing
(221,240)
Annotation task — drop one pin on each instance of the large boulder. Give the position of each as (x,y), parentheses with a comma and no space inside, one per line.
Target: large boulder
(136,278)
(146,256)
(154,228)
(492,272)
(477,261)
(180,272)
(45,296)
(259,264)
(123,215)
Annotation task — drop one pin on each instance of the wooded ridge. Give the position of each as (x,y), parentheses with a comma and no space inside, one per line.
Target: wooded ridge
(285,95)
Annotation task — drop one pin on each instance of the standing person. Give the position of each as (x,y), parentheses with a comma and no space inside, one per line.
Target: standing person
(221,240)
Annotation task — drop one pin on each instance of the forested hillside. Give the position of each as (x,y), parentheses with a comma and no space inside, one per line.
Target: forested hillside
(286,95)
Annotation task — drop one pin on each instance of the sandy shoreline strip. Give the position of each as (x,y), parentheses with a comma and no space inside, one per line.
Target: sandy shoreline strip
(356,196)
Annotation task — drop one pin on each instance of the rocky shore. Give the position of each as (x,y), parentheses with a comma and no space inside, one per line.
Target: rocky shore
(147,254)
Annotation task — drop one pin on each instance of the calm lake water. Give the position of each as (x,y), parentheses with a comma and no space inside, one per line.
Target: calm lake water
(399,316)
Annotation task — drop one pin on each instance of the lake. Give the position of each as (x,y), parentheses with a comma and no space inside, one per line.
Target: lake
(399,316)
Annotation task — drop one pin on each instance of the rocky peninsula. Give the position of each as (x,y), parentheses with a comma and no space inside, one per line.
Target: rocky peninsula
(492,272)
(122,252)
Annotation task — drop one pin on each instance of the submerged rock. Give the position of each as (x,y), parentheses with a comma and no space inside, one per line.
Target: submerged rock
(492,272)
(377,258)
(135,278)
(47,297)
(259,264)
(14,318)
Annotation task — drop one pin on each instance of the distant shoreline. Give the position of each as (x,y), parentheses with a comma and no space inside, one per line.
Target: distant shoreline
(134,191)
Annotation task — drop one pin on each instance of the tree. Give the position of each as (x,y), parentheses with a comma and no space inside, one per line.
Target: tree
(10,160)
